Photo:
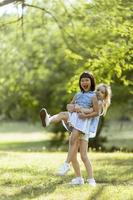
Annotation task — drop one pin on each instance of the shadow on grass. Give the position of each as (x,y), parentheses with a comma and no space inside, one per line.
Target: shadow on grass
(96,194)
(119,171)
(44,182)
(39,185)
(45,145)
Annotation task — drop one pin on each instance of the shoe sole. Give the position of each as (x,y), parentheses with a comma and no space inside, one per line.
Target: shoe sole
(92,185)
(76,184)
(59,174)
(43,116)
(63,174)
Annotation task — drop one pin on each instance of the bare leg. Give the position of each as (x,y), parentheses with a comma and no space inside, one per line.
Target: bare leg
(84,157)
(46,120)
(73,143)
(58,117)
(75,162)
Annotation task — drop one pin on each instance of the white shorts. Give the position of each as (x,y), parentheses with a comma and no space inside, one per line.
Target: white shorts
(84,137)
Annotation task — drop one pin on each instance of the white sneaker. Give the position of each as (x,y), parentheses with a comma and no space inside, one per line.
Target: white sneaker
(64,169)
(77,181)
(44,117)
(92,182)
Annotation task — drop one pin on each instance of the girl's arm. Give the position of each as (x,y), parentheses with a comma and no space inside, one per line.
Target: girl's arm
(100,107)
(72,107)
(95,111)
(90,110)
(86,110)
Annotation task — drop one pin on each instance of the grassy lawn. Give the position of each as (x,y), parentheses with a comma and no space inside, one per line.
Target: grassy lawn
(119,135)
(33,176)
(28,169)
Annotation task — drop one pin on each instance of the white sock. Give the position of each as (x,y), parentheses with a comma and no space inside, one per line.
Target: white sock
(91,179)
(52,118)
(67,163)
(79,177)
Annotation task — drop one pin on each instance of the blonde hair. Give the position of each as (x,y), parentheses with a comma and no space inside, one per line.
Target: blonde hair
(108,94)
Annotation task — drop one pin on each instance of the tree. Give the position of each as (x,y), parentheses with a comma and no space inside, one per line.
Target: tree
(6,2)
(52,48)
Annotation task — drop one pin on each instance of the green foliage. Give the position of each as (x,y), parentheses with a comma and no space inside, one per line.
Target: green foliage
(106,37)
(41,61)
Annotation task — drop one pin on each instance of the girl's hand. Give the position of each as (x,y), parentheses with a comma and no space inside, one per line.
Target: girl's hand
(86,110)
(83,116)
(83,110)
(73,108)
(77,108)
(70,107)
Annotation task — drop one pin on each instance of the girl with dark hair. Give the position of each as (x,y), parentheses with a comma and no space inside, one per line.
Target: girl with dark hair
(87,75)
(81,102)
(84,103)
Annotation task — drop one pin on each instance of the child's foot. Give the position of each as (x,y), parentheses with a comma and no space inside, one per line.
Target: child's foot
(44,117)
(77,181)
(92,182)
(64,169)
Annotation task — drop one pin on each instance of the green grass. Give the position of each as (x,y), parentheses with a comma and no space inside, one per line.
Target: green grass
(33,176)
(28,169)
(119,135)
(22,136)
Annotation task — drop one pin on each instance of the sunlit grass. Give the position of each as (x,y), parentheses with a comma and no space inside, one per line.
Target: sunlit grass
(28,169)
(23,136)
(33,176)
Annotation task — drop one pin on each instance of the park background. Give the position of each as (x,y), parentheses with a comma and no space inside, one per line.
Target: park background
(44,47)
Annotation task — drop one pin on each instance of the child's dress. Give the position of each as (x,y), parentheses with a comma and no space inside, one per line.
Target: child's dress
(84,100)
(94,122)
(93,127)
(86,126)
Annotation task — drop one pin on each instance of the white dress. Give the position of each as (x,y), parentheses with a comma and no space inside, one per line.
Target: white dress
(82,125)
(86,126)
